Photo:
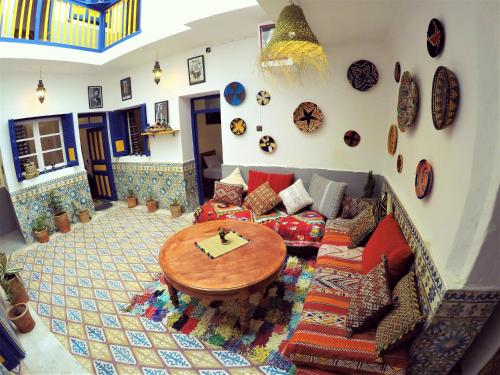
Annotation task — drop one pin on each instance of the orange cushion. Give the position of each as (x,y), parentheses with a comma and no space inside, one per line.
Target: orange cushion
(278,182)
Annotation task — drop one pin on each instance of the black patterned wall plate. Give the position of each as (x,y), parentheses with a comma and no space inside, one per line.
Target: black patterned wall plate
(352,138)
(234,93)
(308,117)
(238,126)
(362,74)
(397,71)
(435,37)
(263,98)
(267,144)
(399,163)
(445,97)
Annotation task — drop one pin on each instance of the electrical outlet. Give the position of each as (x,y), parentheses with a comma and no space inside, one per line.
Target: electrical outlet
(259,128)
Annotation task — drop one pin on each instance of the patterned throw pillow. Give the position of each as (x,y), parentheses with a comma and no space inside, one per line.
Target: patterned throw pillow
(295,197)
(361,226)
(403,322)
(327,195)
(228,193)
(371,301)
(262,199)
(235,178)
(353,206)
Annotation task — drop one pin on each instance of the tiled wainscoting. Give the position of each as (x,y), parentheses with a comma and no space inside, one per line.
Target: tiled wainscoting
(163,181)
(31,202)
(454,317)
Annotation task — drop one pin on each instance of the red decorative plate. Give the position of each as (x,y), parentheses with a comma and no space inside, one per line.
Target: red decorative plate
(423,179)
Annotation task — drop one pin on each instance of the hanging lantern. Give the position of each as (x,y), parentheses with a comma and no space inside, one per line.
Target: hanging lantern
(157,72)
(40,90)
(293,41)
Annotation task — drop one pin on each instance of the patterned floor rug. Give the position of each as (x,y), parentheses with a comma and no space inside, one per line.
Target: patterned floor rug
(274,315)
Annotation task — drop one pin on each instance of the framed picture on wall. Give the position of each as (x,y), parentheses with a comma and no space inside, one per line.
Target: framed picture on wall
(95,96)
(161,112)
(196,70)
(126,88)
(265,34)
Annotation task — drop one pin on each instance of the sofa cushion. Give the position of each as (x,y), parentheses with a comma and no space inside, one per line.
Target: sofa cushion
(278,182)
(235,178)
(353,206)
(388,240)
(228,193)
(295,197)
(361,226)
(327,195)
(262,199)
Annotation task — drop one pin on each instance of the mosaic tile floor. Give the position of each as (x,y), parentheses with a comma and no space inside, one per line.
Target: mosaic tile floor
(79,281)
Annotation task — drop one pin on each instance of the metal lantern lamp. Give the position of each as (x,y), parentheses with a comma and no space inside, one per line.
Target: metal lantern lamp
(157,71)
(40,90)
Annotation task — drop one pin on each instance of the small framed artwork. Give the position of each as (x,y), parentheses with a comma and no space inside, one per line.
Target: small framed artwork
(265,34)
(95,96)
(161,112)
(126,88)
(196,70)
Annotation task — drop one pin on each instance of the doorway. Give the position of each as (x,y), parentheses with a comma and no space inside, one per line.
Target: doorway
(97,158)
(207,143)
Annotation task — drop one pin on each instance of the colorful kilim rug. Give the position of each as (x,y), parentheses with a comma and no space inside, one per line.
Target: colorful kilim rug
(274,315)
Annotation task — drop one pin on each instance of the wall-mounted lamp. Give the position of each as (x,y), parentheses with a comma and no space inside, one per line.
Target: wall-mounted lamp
(157,71)
(40,90)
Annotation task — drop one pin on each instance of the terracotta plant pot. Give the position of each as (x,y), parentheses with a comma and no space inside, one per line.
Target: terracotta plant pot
(15,290)
(132,202)
(84,215)
(42,236)
(19,314)
(152,205)
(176,210)
(62,222)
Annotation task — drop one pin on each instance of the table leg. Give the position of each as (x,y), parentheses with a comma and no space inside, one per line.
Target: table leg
(244,314)
(173,295)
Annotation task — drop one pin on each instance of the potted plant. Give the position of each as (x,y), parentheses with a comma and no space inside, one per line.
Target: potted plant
(41,229)
(60,215)
(83,213)
(131,198)
(10,281)
(151,204)
(369,185)
(19,314)
(175,208)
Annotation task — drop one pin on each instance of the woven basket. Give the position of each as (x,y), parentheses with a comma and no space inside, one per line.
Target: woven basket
(445,97)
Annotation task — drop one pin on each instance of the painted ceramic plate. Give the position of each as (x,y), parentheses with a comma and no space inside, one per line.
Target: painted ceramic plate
(423,179)
(435,37)
(399,163)
(234,93)
(397,71)
(407,102)
(362,74)
(392,139)
(308,117)
(267,144)
(445,97)
(352,138)
(263,98)
(238,126)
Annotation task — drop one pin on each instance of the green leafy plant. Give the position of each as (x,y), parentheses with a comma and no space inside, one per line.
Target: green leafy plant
(7,272)
(40,223)
(369,185)
(55,203)
(174,202)
(130,193)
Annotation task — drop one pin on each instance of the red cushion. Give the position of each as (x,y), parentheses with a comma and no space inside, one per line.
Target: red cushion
(278,182)
(388,240)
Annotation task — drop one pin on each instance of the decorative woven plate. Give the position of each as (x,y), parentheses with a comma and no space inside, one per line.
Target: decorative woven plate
(399,163)
(392,139)
(435,37)
(362,74)
(423,179)
(397,71)
(407,102)
(352,138)
(238,126)
(267,144)
(308,117)
(234,93)
(263,98)
(445,97)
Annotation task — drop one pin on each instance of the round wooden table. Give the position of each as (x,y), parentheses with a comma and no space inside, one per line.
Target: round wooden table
(235,275)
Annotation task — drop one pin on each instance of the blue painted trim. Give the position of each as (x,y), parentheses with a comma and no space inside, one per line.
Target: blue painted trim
(102,31)
(38,18)
(52,44)
(209,110)
(196,150)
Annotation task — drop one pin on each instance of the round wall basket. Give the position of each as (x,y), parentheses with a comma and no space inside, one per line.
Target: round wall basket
(407,102)
(234,93)
(435,37)
(392,139)
(308,117)
(397,71)
(263,97)
(445,97)
(238,126)
(267,144)
(352,138)
(399,163)
(362,74)
(423,179)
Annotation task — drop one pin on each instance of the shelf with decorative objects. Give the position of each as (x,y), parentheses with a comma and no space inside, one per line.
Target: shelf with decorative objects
(159,128)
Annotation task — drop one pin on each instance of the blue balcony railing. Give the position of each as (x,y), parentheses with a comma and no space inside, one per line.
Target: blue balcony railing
(83,24)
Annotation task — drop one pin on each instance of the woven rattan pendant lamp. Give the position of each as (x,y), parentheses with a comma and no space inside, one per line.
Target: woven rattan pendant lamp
(293,44)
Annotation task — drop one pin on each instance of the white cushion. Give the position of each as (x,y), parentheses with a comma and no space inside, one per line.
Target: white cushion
(295,197)
(235,178)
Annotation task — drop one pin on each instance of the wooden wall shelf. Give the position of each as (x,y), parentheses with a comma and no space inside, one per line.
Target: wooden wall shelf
(160,132)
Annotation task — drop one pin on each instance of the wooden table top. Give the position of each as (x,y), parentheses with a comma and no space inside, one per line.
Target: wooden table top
(186,265)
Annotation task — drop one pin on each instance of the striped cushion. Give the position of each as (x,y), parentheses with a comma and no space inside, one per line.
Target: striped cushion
(327,195)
